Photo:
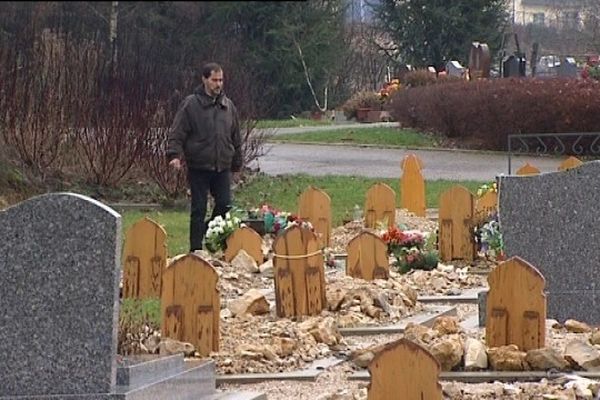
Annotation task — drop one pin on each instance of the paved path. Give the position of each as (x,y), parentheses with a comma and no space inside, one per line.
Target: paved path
(385,163)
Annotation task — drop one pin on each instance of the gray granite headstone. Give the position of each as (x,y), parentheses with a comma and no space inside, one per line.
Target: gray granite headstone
(59,296)
(455,69)
(551,221)
(568,68)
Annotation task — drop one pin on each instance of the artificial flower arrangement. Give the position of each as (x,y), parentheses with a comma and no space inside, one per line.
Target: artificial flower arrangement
(277,221)
(219,230)
(410,249)
(487,187)
(489,238)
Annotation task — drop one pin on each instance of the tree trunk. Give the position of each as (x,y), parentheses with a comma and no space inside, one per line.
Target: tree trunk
(114,16)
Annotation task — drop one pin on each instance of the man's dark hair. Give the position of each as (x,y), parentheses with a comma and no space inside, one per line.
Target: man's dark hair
(207,69)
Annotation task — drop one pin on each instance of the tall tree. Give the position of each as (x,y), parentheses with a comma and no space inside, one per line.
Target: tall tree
(432,32)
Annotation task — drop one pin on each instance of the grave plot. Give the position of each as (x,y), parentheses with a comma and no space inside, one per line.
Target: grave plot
(517,343)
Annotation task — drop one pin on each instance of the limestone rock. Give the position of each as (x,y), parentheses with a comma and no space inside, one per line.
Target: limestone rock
(266,269)
(243,262)
(545,359)
(284,346)
(446,325)
(326,332)
(577,327)
(475,355)
(152,344)
(448,350)
(169,346)
(582,354)
(252,302)
(335,298)
(507,358)
(595,337)
(419,334)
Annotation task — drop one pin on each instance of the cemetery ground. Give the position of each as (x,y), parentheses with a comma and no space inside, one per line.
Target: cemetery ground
(254,338)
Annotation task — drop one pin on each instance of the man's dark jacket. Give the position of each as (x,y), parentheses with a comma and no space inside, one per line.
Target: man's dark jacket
(206,132)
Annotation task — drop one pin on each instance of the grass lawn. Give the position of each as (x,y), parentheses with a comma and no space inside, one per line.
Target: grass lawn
(282,193)
(290,123)
(376,136)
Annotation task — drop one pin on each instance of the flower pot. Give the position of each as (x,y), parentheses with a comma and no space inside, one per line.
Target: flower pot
(374,116)
(257,224)
(362,114)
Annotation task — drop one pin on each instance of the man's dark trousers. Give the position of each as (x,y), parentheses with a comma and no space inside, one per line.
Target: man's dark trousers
(201,182)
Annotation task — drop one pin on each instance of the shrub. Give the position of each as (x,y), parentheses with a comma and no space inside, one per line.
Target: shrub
(419,77)
(138,320)
(364,99)
(485,112)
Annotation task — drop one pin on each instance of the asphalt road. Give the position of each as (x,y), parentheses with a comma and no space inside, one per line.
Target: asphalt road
(372,162)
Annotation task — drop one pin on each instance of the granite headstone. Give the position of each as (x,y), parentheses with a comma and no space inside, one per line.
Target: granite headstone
(568,68)
(551,221)
(59,294)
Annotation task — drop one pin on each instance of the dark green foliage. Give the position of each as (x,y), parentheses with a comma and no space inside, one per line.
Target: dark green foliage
(432,32)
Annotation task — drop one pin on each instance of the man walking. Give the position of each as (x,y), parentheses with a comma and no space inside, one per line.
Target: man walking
(206,134)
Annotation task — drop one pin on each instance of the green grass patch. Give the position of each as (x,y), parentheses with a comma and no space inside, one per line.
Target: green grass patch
(384,136)
(282,192)
(140,311)
(290,123)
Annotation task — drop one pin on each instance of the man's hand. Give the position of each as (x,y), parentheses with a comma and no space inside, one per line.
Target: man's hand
(175,163)
(236,176)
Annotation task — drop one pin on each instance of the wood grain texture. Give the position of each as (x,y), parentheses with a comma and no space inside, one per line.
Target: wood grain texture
(367,257)
(144,259)
(569,163)
(404,370)
(299,282)
(456,211)
(412,185)
(244,238)
(528,169)
(190,303)
(380,205)
(516,306)
(314,206)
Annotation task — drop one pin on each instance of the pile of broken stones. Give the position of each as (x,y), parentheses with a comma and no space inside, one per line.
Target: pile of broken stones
(572,346)
(254,339)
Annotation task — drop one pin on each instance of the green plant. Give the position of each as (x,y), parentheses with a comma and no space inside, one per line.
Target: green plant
(140,311)
(219,230)
(409,249)
(363,99)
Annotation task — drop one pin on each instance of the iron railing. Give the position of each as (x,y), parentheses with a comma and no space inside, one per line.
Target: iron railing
(575,144)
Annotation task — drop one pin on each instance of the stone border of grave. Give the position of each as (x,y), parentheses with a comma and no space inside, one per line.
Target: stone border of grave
(468,296)
(319,366)
(309,373)
(426,318)
(491,376)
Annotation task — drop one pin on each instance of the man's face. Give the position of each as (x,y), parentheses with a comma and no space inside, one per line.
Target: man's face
(214,83)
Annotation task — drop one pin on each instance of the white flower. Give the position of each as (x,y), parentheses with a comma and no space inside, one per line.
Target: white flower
(218,219)
(211,224)
(227,215)
(229,224)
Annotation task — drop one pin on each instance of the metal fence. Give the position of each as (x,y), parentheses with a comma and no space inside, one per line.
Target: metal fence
(575,144)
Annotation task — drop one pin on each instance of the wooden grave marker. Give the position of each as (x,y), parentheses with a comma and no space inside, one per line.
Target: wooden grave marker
(412,185)
(144,259)
(367,257)
(314,206)
(456,211)
(404,370)
(190,303)
(569,163)
(484,206)
(380,205)
(528,169)
(299,273)
(244,238)
(516,306)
